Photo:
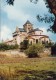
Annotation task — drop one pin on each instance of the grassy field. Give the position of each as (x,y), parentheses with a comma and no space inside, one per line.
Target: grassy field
(17,68)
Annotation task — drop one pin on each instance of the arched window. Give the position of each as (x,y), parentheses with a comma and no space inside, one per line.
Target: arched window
(43,42)
(36,40)
(31,42)
(46,41)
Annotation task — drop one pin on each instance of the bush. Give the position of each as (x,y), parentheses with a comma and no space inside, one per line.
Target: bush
(53,49)
(4,46)
(24,45)
(14,46)
(33,50)
(48,45)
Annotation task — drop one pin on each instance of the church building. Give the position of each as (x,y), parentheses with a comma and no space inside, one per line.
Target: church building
(27,32)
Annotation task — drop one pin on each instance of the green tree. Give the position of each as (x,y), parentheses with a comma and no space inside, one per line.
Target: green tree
(53,50)
(51,4)
(24,45)
(10,2)
(34,50)
(4,46)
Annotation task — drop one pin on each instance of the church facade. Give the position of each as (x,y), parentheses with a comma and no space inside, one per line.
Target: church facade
(28,33)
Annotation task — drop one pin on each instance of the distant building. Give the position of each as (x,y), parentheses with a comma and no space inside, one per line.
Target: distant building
(28,32)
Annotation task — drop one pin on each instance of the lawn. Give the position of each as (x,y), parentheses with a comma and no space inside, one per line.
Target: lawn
(28,68)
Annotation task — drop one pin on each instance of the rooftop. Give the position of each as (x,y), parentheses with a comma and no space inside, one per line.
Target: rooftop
(21,30)
(27,22)
(37,29)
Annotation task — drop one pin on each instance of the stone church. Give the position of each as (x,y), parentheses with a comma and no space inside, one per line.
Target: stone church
(28,32)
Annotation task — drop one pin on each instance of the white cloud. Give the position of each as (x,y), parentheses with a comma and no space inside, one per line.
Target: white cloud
(23,10)
(5,33)
(45,32)
(15,14)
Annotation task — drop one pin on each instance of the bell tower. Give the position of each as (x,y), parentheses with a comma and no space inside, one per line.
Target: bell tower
(28,26)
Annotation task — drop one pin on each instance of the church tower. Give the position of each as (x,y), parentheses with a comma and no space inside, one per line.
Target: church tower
(28,26)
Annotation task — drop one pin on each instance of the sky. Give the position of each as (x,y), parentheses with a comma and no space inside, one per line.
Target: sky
(16,16)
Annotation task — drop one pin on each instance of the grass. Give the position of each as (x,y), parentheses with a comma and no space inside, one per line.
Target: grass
(27,68)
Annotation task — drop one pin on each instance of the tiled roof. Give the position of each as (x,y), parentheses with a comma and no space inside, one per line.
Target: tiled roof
(21,30)
(37,29)
(44,37)
(41,35)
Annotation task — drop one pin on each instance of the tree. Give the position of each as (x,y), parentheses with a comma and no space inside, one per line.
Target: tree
(34,50)
(4,46)
(51,4)
(53,49)
(24,45)
(10,2)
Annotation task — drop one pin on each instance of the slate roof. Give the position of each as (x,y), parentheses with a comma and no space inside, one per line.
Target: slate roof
(27,22)
(21,30)
(42,36)
(37,29)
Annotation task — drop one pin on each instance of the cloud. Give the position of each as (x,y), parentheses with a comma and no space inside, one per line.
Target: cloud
(5,33)
(23,10)
(15,14)
(45,32)
(20,12)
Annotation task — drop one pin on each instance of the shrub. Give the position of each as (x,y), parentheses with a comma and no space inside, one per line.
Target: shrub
(34,49)
(4,46)
(24,45)
(48,45)
(53,49)
(14,46)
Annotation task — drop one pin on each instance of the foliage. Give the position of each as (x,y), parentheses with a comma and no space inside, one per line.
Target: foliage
(52,8)
(51,4)
(34,49)
(53,49)
(50,44)
(10,2)
(24,45)
(4,46)
(16,46)
(46,18)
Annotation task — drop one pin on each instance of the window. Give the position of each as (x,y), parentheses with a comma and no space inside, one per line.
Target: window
(46,41)
(43,42)
(36,40)
(31,42)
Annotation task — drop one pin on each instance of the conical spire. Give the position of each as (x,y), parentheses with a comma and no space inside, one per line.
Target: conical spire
(27,22)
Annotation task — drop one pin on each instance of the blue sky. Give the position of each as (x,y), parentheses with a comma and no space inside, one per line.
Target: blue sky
(17,15)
